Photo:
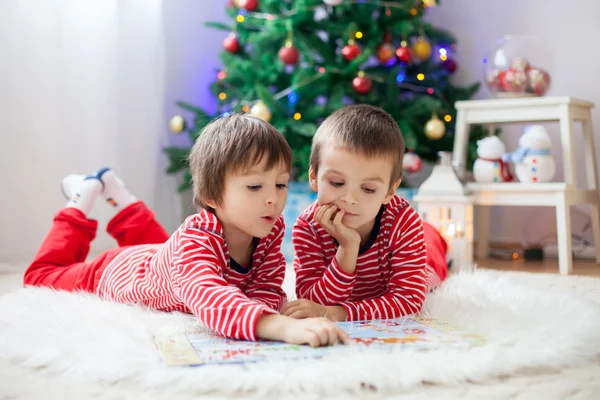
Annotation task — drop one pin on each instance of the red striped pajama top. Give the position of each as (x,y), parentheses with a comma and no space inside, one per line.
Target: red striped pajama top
(391,276)
(192,272)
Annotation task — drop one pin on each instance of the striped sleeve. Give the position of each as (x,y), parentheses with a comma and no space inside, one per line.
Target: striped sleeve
(317,280)
(266,285)
(406,288)
(197,277)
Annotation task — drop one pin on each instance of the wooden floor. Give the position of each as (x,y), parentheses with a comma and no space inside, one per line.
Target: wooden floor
(580,267)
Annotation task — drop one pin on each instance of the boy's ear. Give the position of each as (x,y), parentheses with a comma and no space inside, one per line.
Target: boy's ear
(211,203)
(392,191)
(312,179)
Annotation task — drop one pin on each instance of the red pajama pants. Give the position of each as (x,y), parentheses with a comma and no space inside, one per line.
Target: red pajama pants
(60,261)
(436,250)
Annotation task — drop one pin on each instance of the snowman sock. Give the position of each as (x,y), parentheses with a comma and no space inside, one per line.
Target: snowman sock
(81,191)
(115,193)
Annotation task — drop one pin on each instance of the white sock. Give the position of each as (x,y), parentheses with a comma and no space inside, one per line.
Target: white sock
(115,193)
(81,191)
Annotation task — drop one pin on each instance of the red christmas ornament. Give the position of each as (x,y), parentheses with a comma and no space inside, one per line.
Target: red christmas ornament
(231,44)
(221,75)
(450,65)
(289,54)
(248,5)
(495,79)
(538,81)
(411,162)
(519,64)
(404,54)
(385,53)
(515,81)
(362,84)
(351,51)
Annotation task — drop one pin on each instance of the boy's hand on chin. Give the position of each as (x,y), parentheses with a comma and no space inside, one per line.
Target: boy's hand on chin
(330,218)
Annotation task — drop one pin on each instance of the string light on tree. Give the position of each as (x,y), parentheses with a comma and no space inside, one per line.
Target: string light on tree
(362,84)
(177,124)
(429,3)
(260,110)
(443,54)
(435,128)
(231,43)
(333,2)
(221,75)
(289,54)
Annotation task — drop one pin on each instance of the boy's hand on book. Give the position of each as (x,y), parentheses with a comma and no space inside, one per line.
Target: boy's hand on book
(330,218)
(315,332)
(308,309)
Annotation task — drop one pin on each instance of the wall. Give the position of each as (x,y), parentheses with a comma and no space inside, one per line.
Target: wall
(81,87)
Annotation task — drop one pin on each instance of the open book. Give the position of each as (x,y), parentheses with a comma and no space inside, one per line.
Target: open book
(381,335)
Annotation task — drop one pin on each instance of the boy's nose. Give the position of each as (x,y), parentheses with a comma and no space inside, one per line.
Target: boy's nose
(271,199)
(348,198)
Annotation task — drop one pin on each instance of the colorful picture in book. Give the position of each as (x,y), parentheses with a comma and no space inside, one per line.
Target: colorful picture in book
(383,335)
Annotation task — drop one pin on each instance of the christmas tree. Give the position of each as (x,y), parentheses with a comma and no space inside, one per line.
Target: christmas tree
(294,62)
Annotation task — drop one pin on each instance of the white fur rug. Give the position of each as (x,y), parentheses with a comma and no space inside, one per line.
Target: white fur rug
(80,338)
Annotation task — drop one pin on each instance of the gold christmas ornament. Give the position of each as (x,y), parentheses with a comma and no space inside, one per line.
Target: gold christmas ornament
(260,110)
(422,49)
(429,3)
(177,124)
(435,128)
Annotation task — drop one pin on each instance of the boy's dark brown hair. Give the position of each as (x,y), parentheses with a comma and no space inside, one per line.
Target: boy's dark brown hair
(233,144)
(364,129)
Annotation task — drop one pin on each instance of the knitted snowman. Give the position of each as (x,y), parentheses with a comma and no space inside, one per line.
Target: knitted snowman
(533,162)
(489,166)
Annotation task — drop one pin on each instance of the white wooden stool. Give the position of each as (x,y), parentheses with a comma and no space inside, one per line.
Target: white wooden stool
(561,195)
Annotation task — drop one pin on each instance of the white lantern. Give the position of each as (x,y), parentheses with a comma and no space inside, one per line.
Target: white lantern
(444,202)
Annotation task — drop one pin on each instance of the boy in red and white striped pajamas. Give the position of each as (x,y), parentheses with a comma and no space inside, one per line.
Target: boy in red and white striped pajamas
(223,264)
(362,252)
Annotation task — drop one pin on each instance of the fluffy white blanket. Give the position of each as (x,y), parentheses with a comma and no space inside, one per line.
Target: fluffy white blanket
(80,338)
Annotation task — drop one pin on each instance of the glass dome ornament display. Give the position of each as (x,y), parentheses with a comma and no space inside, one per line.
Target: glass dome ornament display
(519,66)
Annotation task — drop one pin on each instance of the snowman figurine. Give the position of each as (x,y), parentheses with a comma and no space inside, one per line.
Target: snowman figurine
(489,166)
(533,162)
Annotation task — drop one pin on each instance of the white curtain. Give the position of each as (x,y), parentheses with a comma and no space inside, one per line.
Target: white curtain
(81,87)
